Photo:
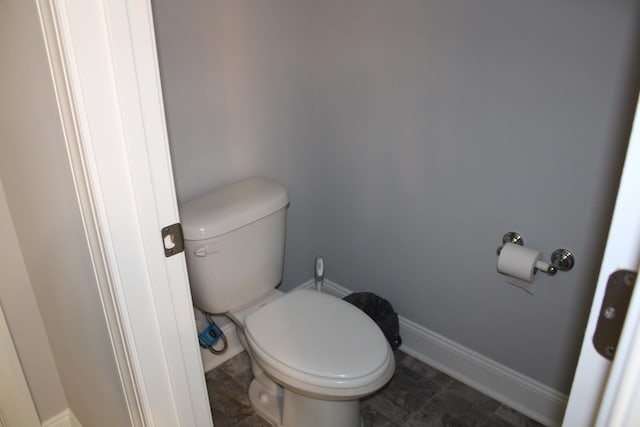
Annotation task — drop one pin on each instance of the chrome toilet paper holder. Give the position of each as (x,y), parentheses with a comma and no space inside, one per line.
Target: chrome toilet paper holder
(561,259)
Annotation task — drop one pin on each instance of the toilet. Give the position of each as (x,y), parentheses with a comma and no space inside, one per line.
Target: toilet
(313,356)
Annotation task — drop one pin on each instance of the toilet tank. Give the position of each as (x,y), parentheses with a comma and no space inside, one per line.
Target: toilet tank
(234,243)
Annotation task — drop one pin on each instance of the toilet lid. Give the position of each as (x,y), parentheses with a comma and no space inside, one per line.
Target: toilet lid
(318,335)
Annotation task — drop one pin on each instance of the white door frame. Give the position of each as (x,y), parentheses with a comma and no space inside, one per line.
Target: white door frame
(587,403)
(621,400)
(104,66)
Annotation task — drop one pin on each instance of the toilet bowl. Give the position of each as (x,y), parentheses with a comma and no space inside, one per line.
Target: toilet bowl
(313,355)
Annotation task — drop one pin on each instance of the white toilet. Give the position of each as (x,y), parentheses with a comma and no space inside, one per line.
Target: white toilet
(313,355)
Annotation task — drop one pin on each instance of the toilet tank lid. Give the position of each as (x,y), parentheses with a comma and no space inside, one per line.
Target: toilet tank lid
(231,207)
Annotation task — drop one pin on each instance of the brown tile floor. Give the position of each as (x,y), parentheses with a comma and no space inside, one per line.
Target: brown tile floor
(417,395)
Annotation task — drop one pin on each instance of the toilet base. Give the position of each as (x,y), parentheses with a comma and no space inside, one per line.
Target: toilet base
(291,409)
(299,410)
(284,408)
(265,403)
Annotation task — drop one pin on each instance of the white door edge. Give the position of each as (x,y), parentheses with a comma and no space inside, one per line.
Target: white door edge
(624,377)
(103,59)
(69,118)
(621,401)
(622,252)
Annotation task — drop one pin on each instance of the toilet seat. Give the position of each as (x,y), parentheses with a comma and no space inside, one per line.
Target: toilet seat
(319,345)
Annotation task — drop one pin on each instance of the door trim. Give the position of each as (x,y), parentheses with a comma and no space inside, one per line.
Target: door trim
(587,401)
(103,60)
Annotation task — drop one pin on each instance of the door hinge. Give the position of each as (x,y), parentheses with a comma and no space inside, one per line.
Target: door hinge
(613,312)
(172,239)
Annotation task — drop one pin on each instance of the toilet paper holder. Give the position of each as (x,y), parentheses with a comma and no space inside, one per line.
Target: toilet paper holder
(561,259)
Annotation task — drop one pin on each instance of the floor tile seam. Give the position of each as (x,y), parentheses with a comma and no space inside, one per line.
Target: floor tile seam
(376,413)
(504,419)
(498,408)
(430,400)
(217,371)
(417,413)
(449,382)
(233,361)
(243,420)
(238,377)
(238,381)
(446,383)
(409,414)
(389,416)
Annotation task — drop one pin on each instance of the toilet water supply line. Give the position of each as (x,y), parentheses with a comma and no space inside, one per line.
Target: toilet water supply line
(211,335)
(318,273)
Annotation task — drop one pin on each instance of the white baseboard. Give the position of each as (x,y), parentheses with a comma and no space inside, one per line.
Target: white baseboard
(63,419)
(524,394)
(210,360)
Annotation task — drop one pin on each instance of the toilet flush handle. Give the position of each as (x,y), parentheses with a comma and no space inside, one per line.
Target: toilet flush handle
(208,249)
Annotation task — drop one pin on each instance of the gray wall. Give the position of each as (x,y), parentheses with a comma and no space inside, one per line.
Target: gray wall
(40,195)
(25,323)
(412,135)
(237,86)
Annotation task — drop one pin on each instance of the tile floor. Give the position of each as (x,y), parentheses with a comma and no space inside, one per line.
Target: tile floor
(417,395)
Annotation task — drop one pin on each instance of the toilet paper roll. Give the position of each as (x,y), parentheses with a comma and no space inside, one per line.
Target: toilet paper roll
(518,261)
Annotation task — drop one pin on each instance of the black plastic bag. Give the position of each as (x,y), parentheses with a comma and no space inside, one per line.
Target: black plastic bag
(381,311)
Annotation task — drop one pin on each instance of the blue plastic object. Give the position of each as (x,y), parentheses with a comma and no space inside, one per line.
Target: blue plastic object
(210,335)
